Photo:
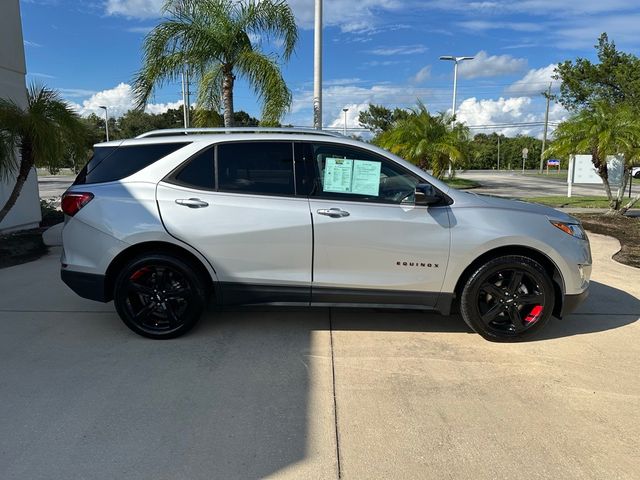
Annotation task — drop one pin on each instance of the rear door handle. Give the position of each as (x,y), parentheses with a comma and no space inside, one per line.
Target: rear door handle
(333,212)
(192,202)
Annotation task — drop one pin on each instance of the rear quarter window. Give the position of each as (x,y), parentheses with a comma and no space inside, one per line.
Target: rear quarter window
(114,163)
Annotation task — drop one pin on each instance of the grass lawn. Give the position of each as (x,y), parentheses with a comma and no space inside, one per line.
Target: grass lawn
(562,201)
(461,183)
(625,229)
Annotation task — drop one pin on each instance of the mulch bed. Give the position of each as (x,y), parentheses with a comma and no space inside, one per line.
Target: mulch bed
(625,229)
(21,247)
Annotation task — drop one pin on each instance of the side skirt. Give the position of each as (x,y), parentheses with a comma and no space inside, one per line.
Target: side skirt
(281,295)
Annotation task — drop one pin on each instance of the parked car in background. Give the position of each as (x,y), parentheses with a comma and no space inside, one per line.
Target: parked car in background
(635,172)
(163,222)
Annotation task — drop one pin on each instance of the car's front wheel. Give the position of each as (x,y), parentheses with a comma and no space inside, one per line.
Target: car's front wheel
(159,296)
(508,298)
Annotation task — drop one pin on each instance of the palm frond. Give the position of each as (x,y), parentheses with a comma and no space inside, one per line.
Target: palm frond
(266,79)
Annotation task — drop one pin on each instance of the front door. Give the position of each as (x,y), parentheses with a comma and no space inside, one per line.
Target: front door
(372,244)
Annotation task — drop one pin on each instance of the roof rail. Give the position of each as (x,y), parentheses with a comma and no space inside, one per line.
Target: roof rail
(189,131)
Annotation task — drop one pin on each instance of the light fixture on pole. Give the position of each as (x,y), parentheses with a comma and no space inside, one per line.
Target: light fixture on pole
(344,131)
(456,61)
(317,67)
(106,120)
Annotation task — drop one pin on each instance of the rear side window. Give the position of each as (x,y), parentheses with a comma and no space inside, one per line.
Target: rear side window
(256,167)
(198,172)
(114,163)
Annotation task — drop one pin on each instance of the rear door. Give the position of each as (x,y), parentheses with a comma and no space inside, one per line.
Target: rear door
(372,244)
(237,204)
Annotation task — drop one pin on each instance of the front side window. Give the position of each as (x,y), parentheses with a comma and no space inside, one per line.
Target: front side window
(264,168)
(354,174)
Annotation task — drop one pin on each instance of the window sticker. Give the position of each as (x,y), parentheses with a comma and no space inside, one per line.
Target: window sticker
(338,174)
(366,177)
(361,177)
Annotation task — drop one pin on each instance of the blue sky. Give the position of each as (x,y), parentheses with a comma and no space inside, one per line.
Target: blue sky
(380,51)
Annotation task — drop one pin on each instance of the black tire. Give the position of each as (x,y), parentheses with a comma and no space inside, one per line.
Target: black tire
(159,296)
(508,299)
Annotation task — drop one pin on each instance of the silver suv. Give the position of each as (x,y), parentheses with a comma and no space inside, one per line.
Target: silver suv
(164,221)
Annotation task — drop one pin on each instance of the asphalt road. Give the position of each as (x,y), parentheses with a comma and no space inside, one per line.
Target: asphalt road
(309,394)
(517,185)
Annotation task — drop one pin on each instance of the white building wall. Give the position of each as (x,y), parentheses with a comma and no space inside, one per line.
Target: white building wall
(26,211)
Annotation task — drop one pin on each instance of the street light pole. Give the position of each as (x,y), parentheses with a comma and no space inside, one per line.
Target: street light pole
(317,67)
(344,131)
(456,61)
(106,120)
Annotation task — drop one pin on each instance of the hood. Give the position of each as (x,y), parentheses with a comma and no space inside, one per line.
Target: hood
(490,201)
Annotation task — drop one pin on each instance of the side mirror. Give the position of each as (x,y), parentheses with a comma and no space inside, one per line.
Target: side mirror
(426,195)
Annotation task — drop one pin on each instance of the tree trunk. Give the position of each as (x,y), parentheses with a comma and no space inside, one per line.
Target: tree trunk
(603,172)
(227,96)
(630,205)
(26,163)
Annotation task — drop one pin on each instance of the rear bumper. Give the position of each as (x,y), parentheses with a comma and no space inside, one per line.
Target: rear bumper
(87,285)
(571,302)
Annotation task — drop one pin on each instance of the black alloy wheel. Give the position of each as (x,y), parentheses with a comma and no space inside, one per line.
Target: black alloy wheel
(159,296)
(509,298)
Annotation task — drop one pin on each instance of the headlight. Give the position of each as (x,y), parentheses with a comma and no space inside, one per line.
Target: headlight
(573,229)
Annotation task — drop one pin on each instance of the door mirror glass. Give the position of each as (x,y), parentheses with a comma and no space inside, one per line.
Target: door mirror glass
(426,195)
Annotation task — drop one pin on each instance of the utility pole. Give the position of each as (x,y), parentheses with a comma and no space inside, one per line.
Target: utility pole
(317,67)
(185,96)
(546,127)
(498,152)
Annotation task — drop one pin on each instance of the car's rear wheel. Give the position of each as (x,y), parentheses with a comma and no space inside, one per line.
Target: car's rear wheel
(508,298)
(159,296)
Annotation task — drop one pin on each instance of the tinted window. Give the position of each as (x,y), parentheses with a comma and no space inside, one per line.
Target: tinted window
(354,174)
(114,163)
(256,167)
(198,172)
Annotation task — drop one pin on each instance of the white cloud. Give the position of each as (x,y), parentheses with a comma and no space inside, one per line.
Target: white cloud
(27,43)
(143,30)
(485,65)
(484,25)
(362,17)
(421,76)
(508,111)
(399,50)
(534,82)
(340,96)
(353,113)
(134,8)
(118,100)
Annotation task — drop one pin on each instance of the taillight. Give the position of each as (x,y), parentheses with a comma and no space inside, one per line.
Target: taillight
(72,202)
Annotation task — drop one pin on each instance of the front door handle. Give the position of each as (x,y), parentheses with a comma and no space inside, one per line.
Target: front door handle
(192,202)
(333,212)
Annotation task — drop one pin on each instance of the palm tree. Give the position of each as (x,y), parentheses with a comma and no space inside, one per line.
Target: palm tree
(426,140)
(601,130)
(217,40)
(43,132)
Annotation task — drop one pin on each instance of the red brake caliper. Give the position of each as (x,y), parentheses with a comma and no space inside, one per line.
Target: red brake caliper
(138,273)
(534,315)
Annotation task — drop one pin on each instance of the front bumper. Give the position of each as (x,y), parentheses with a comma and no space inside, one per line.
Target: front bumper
(87,285)
(571,302)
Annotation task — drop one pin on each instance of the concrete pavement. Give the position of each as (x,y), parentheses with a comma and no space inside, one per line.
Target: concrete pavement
(305,393)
